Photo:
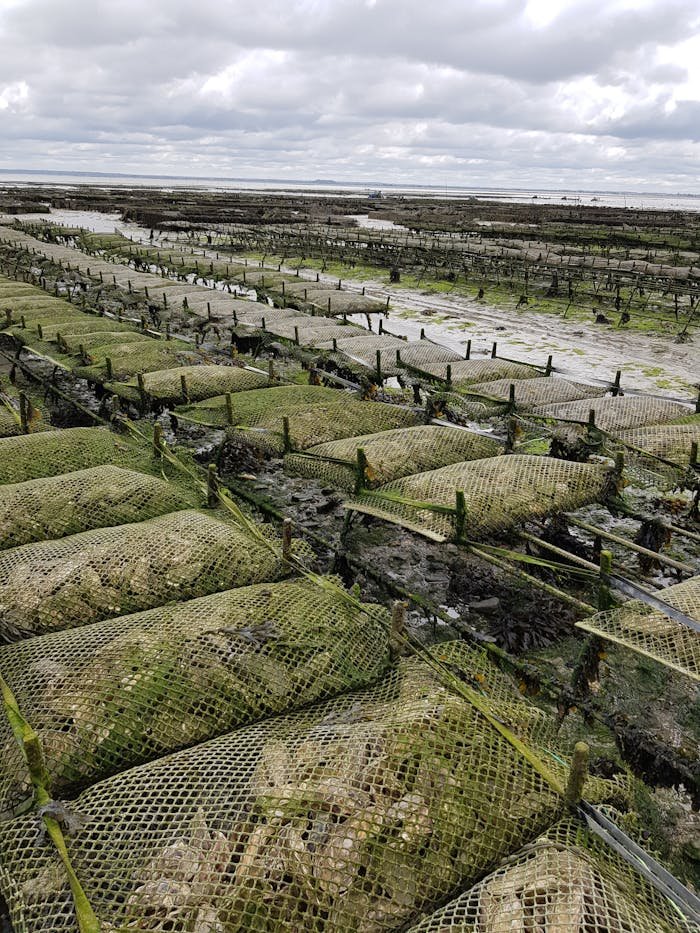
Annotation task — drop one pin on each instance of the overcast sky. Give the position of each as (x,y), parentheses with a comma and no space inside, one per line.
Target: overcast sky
(542,93)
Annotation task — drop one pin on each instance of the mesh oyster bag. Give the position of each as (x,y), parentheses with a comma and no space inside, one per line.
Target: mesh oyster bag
(530,393)
(121,361)
(190,383)
(650,631)
(499,492)
(389,455)
(314,415)
(253,407)
(52,585)
(127,690)
(62,505)
(661,454)
(567,881)
(467,372)
(612,414)
(352,815)
(52,452)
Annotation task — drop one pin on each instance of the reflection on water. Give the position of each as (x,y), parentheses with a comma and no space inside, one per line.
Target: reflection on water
(635,199)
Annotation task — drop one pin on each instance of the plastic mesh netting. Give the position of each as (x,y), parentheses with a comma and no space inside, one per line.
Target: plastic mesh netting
(139,356)
(89,576)
(533,392)
(499,492)
(364,349)
(21,412)
(650,631)
(352,815)
(252,407)
(198,382)
(52,452)
(616,413)
(127,690)
(94,498)
(390,454)
(565,882)
(671,442)
(314,414)
(466,372)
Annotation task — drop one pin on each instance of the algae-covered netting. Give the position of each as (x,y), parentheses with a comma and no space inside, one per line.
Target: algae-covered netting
(314,415)
(670,442)
(390,454)
(127,690)
(56,506)
(529,393)
(648,630)
(252,407)
(467,372)
(86,577)
(364,349)
(52,452)
(615,413)
(190,383)
(498,492)
(121,361)
(352,815)
(21,413)
(567,881)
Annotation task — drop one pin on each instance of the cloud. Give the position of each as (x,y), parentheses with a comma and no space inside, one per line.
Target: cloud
(496,92)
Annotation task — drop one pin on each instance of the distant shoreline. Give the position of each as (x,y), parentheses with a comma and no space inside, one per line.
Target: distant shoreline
(650,200)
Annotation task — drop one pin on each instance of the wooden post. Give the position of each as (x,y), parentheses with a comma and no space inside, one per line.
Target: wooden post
(605,600)
(511,397)
(461,515)
(360,470)
(398,357)
(448,375)
(39,330)
(287,539)
(494,348)
(142,388)
(108,368)
(398,617)
(548,367)
(381,326)
(577,775)
(212,486)
(694,453)
(296,335)
(209,311)
(469,350)
(184,388)
(24,411)
(329,304)
(286,438)
(158,440)
(270,371)
(379,366)
(229,408)
(616,383)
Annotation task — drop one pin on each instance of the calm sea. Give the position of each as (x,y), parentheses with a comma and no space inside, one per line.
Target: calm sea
(650,200)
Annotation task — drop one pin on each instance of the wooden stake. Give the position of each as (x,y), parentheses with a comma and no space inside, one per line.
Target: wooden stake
(229,408)
(212,486)
(577,775)
(287,539)
(461,514)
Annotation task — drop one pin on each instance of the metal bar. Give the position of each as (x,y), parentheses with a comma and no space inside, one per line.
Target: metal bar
(651,600)
(662,558)
(664,882)
(540,584)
